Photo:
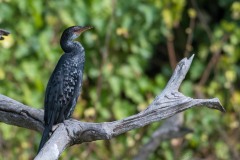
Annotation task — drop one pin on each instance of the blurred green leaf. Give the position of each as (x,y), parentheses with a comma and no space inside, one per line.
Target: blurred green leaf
(134,68)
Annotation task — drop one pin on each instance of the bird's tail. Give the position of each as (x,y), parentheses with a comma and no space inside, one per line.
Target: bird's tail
(45,136)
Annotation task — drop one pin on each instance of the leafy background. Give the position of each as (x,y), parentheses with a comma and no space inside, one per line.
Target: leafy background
(130,55)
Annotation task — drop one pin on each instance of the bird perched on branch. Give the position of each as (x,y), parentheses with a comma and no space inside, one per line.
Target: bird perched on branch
(3,33)
(65,83)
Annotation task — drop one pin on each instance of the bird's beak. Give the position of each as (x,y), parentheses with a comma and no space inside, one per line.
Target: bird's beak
(83,29)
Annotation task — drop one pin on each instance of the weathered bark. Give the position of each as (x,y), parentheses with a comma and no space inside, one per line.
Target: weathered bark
(166,104)
(171,128)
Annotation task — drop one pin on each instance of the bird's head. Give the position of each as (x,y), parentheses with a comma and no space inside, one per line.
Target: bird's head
(74,32)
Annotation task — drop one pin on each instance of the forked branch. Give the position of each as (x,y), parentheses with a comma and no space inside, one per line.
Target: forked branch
(71,132)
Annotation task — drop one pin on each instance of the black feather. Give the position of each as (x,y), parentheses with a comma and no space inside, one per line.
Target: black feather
(65,83)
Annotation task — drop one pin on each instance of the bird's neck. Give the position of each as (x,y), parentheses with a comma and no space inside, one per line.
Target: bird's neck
(69,46)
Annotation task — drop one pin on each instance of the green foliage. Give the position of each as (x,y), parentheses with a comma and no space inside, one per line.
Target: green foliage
(127,65)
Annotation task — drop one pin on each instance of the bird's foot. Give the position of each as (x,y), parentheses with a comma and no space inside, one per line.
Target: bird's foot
(55,127)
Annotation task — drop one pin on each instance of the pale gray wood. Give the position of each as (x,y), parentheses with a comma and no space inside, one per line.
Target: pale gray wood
(71,132)
(171,128)
(18,114)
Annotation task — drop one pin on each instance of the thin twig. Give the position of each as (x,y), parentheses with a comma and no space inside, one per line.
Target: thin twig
(228,141)
(189,37)
(105,51)
(202,19)
(212,62)
(171,52)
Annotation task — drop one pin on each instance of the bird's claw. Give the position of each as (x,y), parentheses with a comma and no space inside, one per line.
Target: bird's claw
(55,127)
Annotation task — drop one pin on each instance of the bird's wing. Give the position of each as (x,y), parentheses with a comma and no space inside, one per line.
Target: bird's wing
(62,89)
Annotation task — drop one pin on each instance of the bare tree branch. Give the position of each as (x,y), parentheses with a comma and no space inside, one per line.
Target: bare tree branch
(71,132)
(18,114)
(171,128)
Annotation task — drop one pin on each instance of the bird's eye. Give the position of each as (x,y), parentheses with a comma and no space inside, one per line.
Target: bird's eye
(77,29)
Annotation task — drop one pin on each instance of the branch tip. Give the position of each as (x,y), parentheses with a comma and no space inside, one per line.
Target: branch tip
(191,58)
(219,106)
(215,104)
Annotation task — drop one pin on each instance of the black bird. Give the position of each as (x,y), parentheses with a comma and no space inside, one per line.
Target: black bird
(65,83)
(3,33)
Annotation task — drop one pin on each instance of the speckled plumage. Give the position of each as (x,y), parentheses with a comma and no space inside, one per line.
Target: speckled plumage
(65,83)
(64,87)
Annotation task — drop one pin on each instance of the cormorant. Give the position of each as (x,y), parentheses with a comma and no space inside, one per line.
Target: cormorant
(65,83)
